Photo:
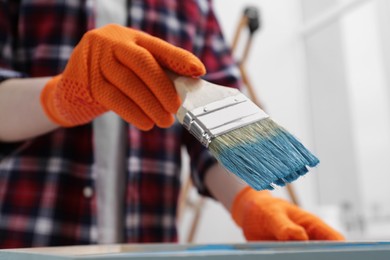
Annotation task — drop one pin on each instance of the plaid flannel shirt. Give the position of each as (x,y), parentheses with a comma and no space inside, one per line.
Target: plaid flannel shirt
(46,182)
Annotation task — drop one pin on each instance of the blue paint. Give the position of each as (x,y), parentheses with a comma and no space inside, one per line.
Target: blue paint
(263,155)
(216,247)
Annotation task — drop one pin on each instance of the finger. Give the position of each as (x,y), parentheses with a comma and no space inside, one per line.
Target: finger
(136,90)
(258,236)
(113,99)
(283,228)
(174,58)
(314,226)
(143,64)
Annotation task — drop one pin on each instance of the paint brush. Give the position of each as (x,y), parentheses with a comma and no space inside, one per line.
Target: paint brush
(240,135)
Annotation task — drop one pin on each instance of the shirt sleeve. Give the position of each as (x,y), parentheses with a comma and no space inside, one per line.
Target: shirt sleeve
(10,74)
(221,69)
(8,32)
(8,35)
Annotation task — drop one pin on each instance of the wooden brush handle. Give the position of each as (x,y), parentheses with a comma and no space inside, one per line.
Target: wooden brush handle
(195,92)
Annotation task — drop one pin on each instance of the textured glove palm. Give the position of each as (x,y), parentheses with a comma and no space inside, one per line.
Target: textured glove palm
(263,217)
(119,69)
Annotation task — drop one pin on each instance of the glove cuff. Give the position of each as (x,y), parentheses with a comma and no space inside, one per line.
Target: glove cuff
(68,104)
(242,201)
(48,101)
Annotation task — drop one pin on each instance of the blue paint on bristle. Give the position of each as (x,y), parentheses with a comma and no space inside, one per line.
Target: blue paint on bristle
(290,178)
(263,154)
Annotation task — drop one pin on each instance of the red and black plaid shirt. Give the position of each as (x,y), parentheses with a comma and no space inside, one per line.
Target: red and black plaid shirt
(42,180)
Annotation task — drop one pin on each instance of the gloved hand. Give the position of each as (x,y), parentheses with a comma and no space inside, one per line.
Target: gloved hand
(120,69)
(263,217)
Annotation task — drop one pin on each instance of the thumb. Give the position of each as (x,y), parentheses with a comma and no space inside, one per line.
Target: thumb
(314,226)
(171,57)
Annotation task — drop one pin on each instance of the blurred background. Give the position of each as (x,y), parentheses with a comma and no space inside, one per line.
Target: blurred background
(321,69)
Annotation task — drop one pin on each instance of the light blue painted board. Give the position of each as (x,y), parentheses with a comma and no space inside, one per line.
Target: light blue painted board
(272,251)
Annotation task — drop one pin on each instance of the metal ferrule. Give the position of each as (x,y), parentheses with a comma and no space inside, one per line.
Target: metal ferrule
(220,117)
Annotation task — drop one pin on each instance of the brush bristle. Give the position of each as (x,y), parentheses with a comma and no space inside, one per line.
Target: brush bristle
(263,154)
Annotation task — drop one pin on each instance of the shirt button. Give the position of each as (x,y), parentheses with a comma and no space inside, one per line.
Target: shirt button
(87,192)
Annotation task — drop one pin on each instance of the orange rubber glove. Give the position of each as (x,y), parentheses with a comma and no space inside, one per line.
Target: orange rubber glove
(263,217)
(119,69)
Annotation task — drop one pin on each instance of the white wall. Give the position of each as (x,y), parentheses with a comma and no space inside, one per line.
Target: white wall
(331,89)
(347,70)
(369,95)
(276,67)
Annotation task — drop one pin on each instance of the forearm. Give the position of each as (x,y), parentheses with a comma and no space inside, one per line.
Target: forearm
(223,185)
(21,114)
